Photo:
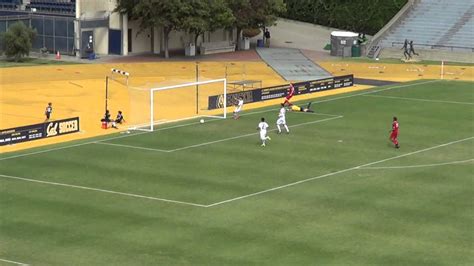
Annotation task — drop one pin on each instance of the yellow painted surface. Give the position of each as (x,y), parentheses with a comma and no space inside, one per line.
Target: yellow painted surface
(398,72)
(79,90)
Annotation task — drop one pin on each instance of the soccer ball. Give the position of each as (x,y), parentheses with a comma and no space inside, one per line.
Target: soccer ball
(201,121)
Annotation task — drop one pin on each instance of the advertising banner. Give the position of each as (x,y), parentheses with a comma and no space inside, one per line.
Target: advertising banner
(39,131)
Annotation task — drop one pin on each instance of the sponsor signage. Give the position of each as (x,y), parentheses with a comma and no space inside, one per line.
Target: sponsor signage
(39,131)
(275,92)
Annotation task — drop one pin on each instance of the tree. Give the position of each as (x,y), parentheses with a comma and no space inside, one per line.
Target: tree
(252,14)
(17,41)
(367,16)
(167,14)
(206,15)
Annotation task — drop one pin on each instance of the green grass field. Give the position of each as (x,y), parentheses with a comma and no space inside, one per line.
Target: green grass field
(333,192)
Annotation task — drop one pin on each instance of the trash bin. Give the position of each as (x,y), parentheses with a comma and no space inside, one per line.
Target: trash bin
(245,43)
(190,50)
(355,51)
(260,43)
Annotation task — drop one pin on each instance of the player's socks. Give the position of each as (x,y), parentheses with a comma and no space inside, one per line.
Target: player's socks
(287,129)
(269,138)
(279,129)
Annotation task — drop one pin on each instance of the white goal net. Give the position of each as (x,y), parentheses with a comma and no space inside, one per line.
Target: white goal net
(165,102)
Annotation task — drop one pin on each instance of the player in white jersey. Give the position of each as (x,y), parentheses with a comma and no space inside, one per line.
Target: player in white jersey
(282,119)
(238,107)
(262,126)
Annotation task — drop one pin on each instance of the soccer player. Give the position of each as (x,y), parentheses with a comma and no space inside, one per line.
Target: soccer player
(238,107)
(118,120)
(394,132)
(48,111)
(306,109)
(262,126)
(106,117)
(291,91)
(282,119)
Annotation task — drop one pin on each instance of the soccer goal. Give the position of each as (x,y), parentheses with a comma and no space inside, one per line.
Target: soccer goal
(166,102)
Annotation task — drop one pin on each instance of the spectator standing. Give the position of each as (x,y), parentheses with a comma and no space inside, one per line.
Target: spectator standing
(267,36)
(412,50)
(406,51)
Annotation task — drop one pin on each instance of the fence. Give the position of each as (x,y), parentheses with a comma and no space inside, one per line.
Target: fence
(435,46)
(55,33)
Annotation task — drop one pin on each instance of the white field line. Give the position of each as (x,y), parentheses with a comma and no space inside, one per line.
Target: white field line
(233,199)
(418,99)
(335,173)
(129,146)
(189,124)
(102,190)
(215,141)
(417,166)
(376,91)
(14,262)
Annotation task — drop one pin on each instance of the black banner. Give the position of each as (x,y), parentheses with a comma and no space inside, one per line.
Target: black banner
(275,92)
(39,131)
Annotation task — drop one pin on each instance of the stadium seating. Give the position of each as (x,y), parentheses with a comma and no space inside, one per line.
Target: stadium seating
(434,24)
(57,6)
(9,4)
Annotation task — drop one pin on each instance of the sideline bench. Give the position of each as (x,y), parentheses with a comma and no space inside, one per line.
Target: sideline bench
(216,47)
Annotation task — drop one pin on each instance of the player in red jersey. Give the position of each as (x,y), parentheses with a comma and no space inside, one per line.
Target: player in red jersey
(394,132)
(291,91)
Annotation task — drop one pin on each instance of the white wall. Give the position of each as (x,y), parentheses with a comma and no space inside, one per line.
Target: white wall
(101,37)
(97,5)
(141,43)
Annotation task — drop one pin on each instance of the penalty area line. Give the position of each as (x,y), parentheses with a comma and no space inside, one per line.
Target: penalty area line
(102,190)
(417,165)
(212,142)
(335,173)
(417,99)
(14,262)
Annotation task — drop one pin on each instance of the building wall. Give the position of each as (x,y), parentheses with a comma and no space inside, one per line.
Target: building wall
(140,43)
(101,37)
(97,5)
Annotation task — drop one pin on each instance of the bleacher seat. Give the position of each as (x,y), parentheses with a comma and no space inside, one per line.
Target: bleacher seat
(58,6)
(440,23)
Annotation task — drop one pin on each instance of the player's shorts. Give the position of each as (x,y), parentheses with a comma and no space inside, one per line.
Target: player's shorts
(48,115)
(288,97)
(281,121)
(237,109)
(394,135)
(263,134)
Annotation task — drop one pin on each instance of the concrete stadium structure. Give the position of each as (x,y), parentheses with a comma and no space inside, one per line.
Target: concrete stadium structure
(97,27)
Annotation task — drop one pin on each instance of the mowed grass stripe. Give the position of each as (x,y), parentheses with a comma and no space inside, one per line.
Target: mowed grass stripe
(363,217)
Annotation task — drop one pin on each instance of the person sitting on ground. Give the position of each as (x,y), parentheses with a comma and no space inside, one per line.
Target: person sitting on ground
(118,120)
(307,109)
(106,117)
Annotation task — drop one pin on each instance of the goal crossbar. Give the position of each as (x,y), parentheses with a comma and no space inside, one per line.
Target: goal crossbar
(152,122)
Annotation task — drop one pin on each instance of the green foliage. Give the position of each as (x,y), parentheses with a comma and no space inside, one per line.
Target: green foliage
(17,41)
(367,16)
(251,14)
(200,16)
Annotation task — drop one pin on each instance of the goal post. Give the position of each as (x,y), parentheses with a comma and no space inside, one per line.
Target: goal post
(155,104)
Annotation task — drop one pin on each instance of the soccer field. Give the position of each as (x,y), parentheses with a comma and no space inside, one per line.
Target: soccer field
(333,191)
